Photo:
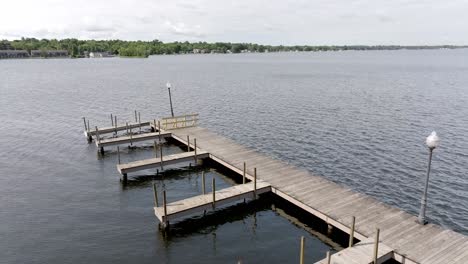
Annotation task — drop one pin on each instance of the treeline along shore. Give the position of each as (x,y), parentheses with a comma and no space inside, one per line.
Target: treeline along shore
(80,48)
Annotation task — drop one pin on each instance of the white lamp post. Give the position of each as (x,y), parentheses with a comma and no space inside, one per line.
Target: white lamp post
(432,141)
(168,85)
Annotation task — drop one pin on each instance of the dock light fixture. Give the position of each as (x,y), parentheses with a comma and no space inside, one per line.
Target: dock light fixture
(168,85)
(432,142)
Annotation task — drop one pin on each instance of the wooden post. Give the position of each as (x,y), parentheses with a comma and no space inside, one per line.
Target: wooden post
(243,173)
(139,121)
(165,208)
(126,127)
(97,135)
(89,128)
(154,126)
(159,129)
(85,127)
(115,123)
(214,191)
(131,136)
(255,183)
(301,260)
(112,120)
(203,182)
(195,149)
(136,120)
(160,152)
(118,153)
(155,192)
(188,143)
(328,257)
(376,245)
(155,150)
(351,232)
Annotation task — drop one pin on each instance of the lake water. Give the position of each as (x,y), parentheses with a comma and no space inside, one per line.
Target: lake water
(356,118)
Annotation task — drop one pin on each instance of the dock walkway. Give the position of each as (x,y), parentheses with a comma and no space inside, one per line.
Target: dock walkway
(158,162)
(335,204)
(131,139)
(205,202)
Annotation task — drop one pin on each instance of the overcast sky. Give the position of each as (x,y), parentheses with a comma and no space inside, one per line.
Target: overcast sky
(287,22)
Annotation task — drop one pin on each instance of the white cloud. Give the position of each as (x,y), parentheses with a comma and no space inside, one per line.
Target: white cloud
(262,21)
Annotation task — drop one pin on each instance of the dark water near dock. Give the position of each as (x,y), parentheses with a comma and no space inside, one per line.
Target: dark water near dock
(357,118)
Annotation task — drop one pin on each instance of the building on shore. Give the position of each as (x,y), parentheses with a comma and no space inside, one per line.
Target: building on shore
(13,54)
(49,53)
(98,54)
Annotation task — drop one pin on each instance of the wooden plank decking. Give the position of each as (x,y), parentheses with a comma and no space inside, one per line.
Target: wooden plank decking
(335,204)
(204,202)
(131,139)
(156,162)
(361,253)
(107,130)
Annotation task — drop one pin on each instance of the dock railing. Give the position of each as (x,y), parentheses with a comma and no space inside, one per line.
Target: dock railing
(188,120)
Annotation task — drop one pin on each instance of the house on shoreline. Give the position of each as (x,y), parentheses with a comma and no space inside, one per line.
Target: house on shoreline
(49,53)
(13,54)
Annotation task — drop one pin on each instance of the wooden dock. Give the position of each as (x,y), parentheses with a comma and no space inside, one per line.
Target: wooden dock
(401,236)
(361,253)
(207,202)
(107,130)
(408,241)
(161,161)
(130,139)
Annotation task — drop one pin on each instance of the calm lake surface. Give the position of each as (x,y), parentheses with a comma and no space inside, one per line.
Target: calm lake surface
(356,118)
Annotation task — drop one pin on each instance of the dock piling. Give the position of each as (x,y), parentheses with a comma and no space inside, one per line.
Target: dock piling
(195,149)
(126,127)
(131,136)
(255,183)
(118,154)
(112,120)
(136,120)
(243,173)
(351,232)
(188,143)
(203,182)
(159,130)
(376,245)
(301,257)
(89,128)
(214,191)
(115,123)
(328,257)
(155,149)
(85,127)
(165,208)
(153,128)
(139,121)
(160,152)
(155,192)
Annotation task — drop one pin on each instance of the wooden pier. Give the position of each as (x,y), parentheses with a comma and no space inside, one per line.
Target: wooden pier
(210,201)
(130,139)
(161,161)
(401,236)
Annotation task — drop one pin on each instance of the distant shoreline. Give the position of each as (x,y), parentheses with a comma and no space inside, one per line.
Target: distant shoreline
(79,48)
